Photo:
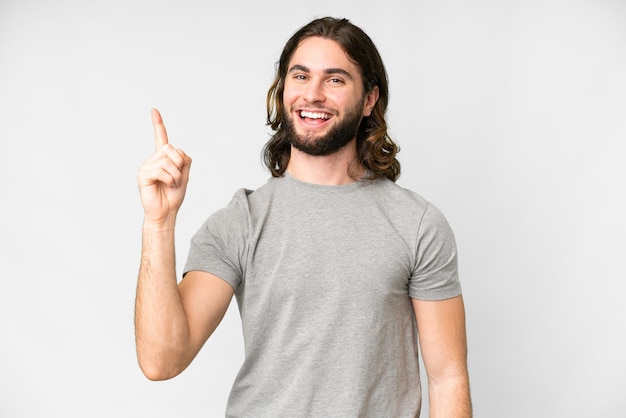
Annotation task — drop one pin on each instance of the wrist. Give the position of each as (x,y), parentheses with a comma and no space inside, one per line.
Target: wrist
(160,225)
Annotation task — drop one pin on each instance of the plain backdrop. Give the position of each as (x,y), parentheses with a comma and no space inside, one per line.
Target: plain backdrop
(511,118)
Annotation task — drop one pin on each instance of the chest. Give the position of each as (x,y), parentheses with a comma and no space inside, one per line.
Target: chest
(315,257)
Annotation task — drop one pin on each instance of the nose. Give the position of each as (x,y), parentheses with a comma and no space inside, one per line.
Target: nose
(314,92)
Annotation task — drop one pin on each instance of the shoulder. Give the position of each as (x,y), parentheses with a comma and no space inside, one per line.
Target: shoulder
(411,205)
(244,206)
(237,207)
(244,199)
(392,190)
(398,199)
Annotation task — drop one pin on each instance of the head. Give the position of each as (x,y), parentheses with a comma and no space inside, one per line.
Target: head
(375,150)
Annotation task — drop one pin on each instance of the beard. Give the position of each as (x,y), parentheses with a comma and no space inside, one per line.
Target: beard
(336,138)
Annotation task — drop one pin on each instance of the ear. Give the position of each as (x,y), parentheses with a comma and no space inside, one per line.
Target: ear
(370,101)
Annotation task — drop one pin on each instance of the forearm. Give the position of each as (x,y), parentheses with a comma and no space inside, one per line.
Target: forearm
(161,328)
(450,398)
(443,343)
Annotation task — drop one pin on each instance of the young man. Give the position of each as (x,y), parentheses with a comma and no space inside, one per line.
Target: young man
(334,266)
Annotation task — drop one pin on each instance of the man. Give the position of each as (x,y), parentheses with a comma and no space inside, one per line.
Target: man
(333,265)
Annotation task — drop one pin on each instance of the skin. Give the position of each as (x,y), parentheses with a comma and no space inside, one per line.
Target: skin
(173,320)
(442,339)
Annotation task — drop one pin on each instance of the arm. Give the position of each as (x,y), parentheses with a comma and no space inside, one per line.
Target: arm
(441,330)
(172,321)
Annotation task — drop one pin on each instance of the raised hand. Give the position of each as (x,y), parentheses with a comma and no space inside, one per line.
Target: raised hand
(163,179)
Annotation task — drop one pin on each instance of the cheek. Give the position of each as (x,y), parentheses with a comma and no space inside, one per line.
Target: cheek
(289,98)
(292,90)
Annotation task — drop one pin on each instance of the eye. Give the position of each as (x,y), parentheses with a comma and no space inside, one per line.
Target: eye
(336,81)
(299,77)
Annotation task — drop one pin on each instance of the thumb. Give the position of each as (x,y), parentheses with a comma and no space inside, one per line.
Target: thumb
(186,161)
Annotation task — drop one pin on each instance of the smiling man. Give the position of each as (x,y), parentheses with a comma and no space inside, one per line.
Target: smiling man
(335,267)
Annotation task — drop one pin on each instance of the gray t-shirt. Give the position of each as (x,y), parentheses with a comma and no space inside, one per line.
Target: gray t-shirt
(323,277)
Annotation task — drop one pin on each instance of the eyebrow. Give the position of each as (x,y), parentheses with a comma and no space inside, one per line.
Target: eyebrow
(298,67)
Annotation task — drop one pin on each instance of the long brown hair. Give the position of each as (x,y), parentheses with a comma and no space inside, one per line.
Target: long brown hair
(375,149)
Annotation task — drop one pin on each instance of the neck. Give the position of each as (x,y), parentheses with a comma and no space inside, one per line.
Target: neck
(339,168)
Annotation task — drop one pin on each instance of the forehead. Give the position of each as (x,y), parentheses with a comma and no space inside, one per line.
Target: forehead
(320,54)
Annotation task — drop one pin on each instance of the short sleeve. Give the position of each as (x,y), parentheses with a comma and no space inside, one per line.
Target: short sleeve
(219,246)
(435,274)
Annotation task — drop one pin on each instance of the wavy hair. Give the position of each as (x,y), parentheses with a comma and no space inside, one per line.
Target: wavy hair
(375,149)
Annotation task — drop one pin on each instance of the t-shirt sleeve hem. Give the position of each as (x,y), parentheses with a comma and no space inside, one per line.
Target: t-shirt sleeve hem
(430,295)
(229,278)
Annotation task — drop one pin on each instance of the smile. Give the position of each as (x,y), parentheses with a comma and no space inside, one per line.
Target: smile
(314,115)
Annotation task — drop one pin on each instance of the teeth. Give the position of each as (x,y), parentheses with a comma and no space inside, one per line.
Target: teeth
(314,115)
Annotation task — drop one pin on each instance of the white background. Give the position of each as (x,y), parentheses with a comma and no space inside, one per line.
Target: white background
(511,116)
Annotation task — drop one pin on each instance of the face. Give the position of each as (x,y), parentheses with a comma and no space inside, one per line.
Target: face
(324,99)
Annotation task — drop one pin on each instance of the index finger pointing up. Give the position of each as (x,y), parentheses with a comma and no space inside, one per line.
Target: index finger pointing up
(160,134)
